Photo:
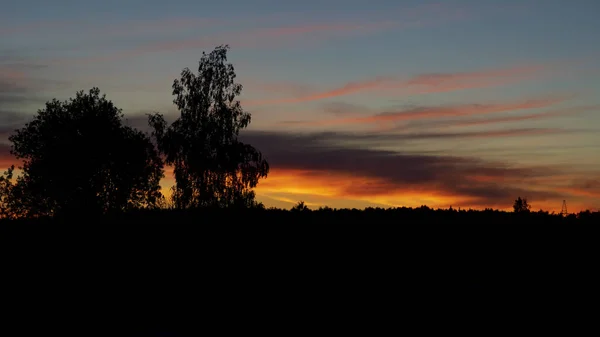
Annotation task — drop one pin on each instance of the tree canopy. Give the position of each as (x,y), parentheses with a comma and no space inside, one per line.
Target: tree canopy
(78,156)
(212,167)
(521,205)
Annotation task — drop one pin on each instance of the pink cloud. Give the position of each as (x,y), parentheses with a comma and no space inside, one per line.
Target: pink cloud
(519,118)
(129,27)
(426,83)
(513,132)
(283,87)
(442,82)
(401,14)
(161,25)
(31,28)
(441,78)
(406,18)
(441,112)
(348,88)
(238,39)
(11,74)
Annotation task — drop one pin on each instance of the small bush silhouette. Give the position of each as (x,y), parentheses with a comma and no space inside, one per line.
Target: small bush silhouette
(521,205)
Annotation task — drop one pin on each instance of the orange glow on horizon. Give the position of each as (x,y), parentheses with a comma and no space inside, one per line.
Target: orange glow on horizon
(285,188)
(318,187)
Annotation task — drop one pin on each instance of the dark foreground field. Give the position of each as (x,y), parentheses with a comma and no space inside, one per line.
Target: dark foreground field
(282,273)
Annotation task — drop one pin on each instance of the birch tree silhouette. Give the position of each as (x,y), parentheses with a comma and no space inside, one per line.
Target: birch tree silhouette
(212,167)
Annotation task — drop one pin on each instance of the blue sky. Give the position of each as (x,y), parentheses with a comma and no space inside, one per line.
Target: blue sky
(437,80)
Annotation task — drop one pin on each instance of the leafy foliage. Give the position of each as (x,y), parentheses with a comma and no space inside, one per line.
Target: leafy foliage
(79,157)
(212,168)
(521,205)
(300,207)
(7,209)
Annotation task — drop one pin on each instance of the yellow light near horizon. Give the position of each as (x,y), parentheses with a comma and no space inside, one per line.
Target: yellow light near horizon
(285,188)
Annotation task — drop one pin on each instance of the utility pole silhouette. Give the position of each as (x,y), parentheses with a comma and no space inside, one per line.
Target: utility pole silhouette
(563,211)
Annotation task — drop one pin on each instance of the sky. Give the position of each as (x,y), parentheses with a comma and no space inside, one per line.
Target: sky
(378,103)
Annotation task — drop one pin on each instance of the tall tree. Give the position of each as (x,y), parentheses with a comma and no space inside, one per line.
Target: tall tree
(211,167)
(79,157)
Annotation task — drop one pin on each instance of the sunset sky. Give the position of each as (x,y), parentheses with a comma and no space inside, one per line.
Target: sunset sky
(464,103)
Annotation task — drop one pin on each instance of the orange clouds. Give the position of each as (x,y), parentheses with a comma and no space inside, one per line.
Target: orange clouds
(441,112)
(284,188)
(518,118)
(587,187)
(501,133)
(313,169)
(590,193)
(316,168)
(432,82)
(321,188)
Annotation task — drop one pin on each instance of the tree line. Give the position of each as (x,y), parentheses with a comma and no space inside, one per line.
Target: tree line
(78,156)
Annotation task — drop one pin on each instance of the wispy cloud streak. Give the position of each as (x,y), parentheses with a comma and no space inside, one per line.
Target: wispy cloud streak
(254,38)
(505,119)
(438,112)
(424,15)
(421,84)
(331,169)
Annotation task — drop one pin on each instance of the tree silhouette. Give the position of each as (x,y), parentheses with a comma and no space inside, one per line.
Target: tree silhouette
(79,157)
(7,202)
(211,167)
(300,207)
(521,205)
